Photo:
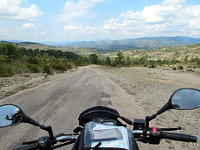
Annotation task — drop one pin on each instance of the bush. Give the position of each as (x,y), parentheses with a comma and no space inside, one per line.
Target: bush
(59,66)
(47,69)
(33,68)
(190,70)
(6,71)
(180,67)
(174,68)
(152,66)
(33,60)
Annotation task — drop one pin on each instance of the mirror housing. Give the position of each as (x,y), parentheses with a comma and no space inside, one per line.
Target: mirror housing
(10,115)
(184,99)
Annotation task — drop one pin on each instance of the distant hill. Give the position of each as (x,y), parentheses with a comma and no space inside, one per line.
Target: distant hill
(34,45)
(100,47)
(168,53)
(139,43)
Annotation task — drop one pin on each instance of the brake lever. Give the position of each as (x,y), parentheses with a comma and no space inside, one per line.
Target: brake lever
(171,129)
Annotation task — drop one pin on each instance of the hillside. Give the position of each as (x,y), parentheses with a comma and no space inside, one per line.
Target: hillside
(179,53)
(33,45)
(102,47)
(148,43)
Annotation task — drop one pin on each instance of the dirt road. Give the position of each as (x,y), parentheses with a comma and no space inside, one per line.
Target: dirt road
(59,103)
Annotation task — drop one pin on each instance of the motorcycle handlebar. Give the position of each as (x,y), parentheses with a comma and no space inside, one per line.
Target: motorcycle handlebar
(168,135)
(28,147)
(65,138)
(178,137)
(45,141)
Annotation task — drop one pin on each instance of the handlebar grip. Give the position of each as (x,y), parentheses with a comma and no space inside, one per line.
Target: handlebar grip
(178,137)
(28,147)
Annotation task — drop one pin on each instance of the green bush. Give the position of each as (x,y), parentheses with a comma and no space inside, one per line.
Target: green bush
(174,68)
(180,67)
(33,60)
(33,68)
(152,66)
(6,71)
(47,69)
(190,70)
(59,66)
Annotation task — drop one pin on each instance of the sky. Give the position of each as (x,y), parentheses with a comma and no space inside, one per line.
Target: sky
(92,20)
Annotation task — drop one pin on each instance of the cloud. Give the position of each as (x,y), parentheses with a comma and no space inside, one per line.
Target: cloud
(72,10)
(172,2)
(13,9)
(28,26)
(171,17)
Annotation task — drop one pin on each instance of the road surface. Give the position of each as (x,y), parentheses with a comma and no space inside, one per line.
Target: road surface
(59,103)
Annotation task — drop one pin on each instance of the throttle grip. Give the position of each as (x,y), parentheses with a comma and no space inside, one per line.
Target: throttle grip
(178,137)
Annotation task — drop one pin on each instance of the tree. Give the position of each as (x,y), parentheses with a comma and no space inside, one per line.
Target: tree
(128,61)
(9,49)
(119,60)
(93,58)
(108,61)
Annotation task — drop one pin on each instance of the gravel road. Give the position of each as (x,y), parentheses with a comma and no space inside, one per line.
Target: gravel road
(60,101)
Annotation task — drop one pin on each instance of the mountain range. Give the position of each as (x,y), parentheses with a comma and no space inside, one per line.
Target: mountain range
(147,43)
(138,43)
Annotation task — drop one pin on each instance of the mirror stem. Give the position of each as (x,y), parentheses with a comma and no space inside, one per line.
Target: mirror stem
(29,120)
(148,119)
(167,106)
(50,131)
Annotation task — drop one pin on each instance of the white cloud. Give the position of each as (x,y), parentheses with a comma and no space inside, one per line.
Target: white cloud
(172,2)
(13,9)
(168,18)
(71,27)
(28,26)
(72,10)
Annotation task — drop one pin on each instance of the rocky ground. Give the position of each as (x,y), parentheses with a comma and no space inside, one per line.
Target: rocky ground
(19,82)
(151,89)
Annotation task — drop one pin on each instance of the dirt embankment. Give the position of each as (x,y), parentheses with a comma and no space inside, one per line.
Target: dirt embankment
(151,89)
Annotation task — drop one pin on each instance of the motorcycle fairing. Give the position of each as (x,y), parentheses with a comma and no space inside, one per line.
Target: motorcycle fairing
(97,112)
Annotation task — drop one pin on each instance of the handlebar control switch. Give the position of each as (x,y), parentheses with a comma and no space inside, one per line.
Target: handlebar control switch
(44,142)
(154,136)
(138,124)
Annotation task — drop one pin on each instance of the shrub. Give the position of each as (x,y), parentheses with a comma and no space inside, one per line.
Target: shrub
(33,60)
(174,68)
(59,66)
(190,70)
(47,69)
(180,67)
(6,71)
(33,68)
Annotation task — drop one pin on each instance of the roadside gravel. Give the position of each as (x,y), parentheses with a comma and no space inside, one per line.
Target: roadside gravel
(19,82)
(151,89)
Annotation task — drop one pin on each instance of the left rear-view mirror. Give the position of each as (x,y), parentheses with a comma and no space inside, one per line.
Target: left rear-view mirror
(10,115)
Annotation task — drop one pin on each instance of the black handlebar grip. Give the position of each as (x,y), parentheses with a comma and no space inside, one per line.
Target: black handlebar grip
(28,147)
(178,137)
